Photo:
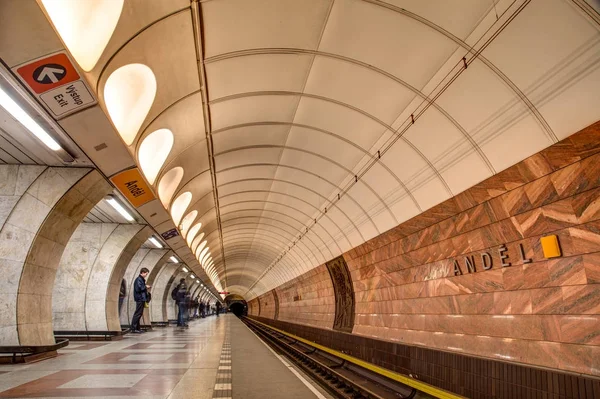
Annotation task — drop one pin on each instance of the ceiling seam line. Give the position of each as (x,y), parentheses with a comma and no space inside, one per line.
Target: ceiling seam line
(197,24)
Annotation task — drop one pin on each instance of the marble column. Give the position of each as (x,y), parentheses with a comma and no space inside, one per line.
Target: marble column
(40,208)
(73,275)
(161,297)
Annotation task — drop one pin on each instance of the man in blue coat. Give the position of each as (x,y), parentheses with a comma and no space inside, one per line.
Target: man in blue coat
(140,295)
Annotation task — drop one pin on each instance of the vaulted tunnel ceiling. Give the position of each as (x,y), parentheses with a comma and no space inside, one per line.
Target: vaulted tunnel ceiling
(316,125)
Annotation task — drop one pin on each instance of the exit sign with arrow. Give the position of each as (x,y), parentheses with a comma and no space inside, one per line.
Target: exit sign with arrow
(57,84)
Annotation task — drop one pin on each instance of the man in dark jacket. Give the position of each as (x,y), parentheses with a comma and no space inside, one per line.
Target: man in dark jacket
(218,307)
(181,292)
(140,295)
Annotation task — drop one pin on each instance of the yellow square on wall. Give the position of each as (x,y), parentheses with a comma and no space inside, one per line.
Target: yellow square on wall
(550,246)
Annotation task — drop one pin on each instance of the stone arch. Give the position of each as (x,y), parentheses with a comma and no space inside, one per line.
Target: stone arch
(51,203)
(153,260)
(111,300)
(162,295)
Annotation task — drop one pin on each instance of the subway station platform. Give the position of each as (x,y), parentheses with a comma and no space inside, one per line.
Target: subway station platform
(213,358)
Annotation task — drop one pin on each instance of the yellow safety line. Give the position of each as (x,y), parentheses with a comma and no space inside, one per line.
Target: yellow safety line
(421,386)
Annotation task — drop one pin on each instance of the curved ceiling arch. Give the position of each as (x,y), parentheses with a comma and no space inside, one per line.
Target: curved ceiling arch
(260,230)
(349,107)
(259,226)
(299,186)
(364,151)
(291,197)
(354,201)
(261,211)
(341,167)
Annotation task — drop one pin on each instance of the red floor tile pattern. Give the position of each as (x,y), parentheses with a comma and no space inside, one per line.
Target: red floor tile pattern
(156,382)
(84,346)
(116,358)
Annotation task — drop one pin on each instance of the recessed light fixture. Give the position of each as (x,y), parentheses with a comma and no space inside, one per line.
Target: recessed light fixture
(27,121)
(174,259)
(155,242)
(119,208)
(185,270)
(192,276)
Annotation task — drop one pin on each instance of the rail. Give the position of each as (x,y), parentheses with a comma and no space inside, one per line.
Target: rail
(331,371)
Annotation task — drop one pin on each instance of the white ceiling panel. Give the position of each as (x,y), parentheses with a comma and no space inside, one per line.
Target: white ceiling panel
(540,50)
(235,25)
(465,171)
(327,145)
(513,142)
(252,73)
(458,18)
(250,135)
(342,121)
(246,156)
(313,164)
(359,87)
(430,193)
(246,172)
(251,110)
(405,48)
(404,161)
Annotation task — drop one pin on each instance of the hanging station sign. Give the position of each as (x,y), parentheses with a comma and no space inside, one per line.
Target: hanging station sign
(131,184)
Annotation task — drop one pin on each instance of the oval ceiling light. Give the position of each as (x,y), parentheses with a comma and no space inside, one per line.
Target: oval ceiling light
(84,26)
(153,152)
(204,257)
(179,206)
(128,95)
(168,184)
(193,231)
(187,222)
(204,251)
(196,242)
(200,247)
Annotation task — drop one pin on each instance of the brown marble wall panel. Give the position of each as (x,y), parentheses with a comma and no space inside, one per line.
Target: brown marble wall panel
(308,299)
(267,305)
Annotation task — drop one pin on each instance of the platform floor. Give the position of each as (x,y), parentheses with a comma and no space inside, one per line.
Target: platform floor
(214,358)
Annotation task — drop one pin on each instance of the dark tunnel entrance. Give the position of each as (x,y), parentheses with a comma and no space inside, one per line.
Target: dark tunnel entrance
(239,308)
(236,305)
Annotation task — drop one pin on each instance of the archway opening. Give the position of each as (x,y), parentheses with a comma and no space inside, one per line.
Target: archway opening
(237,305)
(239,308)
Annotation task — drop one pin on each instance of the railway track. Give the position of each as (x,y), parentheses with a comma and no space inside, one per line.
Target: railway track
(339,375)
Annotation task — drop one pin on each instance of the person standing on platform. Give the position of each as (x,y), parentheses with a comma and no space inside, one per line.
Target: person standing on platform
(201,306)
(140,295)
(180,300)
(218,306)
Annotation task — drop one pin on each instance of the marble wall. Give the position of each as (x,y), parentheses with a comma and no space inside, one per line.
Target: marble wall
(538,311)
(161,299)
(36,227)
(73,275)
(307,299)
